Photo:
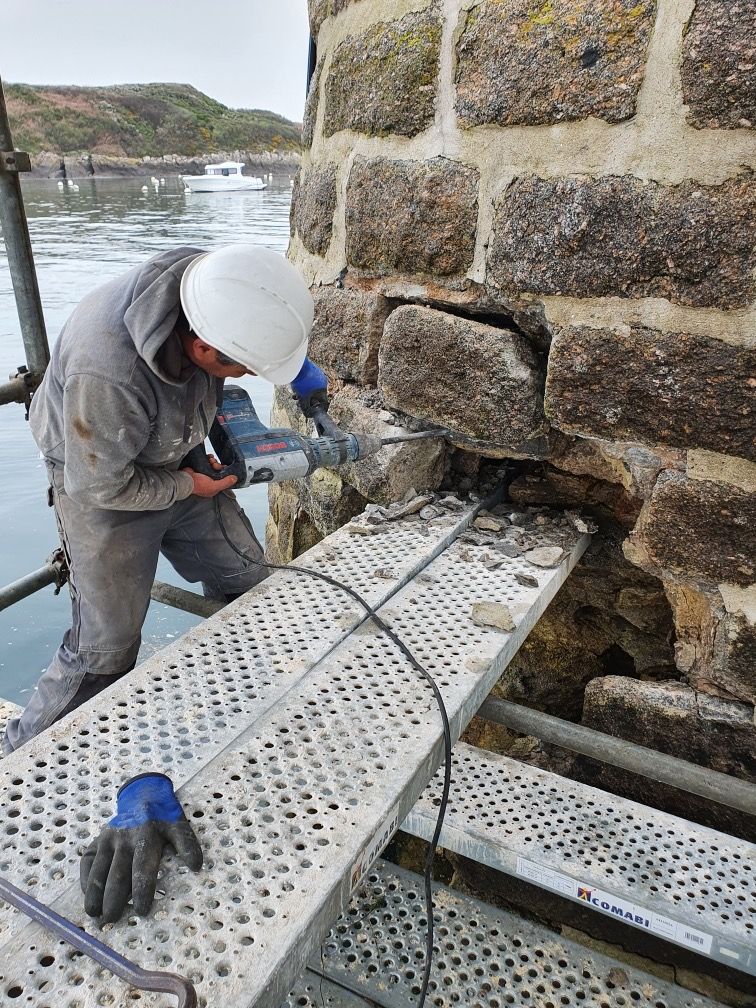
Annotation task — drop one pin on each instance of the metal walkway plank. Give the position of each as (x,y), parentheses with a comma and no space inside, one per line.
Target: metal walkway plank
(316,991)
(183,706)
(485,957)
(294,812)
(677,880)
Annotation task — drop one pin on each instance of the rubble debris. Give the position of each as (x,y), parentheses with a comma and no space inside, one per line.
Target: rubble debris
(545,556)
(492,614)
(527,580)
(385,572)
(486,524)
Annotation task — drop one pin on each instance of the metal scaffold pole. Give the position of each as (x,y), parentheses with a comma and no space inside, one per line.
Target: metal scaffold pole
(21,264)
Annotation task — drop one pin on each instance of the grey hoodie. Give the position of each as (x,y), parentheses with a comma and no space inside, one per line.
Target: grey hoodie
(120,404)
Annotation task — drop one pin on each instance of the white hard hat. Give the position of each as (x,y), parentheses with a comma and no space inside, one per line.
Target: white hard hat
(253,306)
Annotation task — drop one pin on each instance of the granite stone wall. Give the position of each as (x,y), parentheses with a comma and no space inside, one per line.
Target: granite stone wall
(532,222)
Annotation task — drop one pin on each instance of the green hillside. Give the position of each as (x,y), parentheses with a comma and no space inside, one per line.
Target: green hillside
(139,120)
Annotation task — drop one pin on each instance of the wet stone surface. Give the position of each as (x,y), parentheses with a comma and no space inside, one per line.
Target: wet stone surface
(719,64)
(617,235)
(384,81)
(653,387)
(526,63)
(411,217)
(313,206)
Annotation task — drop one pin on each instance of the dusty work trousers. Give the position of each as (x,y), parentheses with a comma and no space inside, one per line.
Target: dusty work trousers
(113,556)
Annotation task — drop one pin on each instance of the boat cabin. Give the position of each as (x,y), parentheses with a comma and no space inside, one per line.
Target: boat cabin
(226,168)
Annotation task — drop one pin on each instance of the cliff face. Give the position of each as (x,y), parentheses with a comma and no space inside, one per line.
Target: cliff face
(136,121)
(533,223)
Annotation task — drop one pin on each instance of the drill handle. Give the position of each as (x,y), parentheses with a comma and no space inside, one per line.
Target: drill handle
(325,426)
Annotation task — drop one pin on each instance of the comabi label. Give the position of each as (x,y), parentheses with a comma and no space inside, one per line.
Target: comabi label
(615,906)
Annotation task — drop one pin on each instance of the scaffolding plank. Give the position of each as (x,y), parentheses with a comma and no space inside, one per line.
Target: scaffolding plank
(674,879)
(293,813)
(184,705)
(484,957)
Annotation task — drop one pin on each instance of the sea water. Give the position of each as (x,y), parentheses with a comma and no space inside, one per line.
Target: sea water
(81,239)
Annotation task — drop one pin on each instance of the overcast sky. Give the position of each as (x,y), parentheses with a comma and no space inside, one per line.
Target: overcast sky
(244,53)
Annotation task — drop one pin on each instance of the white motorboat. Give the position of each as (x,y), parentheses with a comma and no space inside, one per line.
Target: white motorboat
(225,177)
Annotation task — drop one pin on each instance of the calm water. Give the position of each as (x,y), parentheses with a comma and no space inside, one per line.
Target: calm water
(81,239)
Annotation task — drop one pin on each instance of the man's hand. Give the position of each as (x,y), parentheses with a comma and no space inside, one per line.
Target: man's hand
(206,486)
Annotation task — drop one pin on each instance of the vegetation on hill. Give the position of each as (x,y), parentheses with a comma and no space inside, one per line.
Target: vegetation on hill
(140,120)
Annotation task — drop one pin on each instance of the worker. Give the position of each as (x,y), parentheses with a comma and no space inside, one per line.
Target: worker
(133,385)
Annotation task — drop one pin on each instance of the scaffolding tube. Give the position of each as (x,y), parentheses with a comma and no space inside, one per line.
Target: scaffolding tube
(21,264)
(52,573)
(188,601)
(710,784)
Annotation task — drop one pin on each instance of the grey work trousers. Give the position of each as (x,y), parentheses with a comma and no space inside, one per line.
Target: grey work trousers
(112,557)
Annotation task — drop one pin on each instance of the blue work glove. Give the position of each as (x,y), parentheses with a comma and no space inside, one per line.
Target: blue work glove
(123,862)
(311,388)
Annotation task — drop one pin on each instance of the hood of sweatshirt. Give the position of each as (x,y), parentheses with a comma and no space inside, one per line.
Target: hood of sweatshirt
(154,307)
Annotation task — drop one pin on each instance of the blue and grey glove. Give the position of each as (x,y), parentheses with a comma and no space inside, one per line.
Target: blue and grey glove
(123,862)
(311,389)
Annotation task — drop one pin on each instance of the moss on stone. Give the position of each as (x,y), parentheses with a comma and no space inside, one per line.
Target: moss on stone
(383,81)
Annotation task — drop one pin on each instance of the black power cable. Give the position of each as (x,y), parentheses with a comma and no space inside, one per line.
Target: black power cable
(373,615)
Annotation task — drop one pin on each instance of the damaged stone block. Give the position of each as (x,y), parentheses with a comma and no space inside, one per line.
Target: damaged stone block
(411,217)
(289,530)
(718,68)
(698,531)
(313,206)
(346,333)
(384,80)
(526,63)
(675,719)
(483,383)
(389,475)
(617,235)
(642,385)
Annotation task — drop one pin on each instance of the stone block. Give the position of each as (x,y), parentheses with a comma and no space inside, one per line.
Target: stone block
(675,719)
(311,106)
(411,217)
(289,530)
(620,236)
(485,384)
(319,10)
(734,670)
(699,531)
(526,63)
(651,387)
(719,64)
(313,206)
(346,333)
(389,475)
(384,80)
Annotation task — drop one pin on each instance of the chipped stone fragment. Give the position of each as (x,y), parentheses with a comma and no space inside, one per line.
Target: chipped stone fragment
(384,572)
(527,580)
(545,556)
(486,524)
(492,614)
(510,549)
(431,511)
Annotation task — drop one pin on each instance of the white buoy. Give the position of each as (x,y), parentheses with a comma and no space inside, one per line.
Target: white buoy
(61,186)
(145,188)
(75,188)
(162,181)
(69,183)
(153,179)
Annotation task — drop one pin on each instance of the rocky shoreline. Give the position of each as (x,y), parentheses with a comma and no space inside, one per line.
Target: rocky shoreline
(82,164)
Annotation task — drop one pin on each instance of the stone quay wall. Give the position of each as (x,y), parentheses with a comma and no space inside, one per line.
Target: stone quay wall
(532,222)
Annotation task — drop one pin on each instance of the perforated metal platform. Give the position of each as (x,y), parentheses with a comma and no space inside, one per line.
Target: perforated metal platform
(485,958)
(679,881)
(294,774)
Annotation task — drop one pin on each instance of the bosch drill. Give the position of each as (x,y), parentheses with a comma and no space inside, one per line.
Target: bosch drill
(253,453)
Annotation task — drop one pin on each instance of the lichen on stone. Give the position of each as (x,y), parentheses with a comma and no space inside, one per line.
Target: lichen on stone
(527,62)
(384,81)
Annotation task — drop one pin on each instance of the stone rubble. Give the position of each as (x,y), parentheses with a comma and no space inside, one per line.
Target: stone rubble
(492,614)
